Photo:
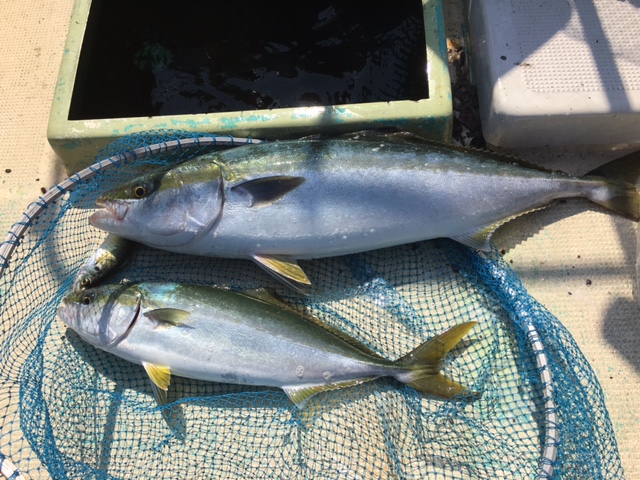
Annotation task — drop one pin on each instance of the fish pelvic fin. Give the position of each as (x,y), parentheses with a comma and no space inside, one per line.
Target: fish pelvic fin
(285,269)
(622,176)
(424,363)
(160,377)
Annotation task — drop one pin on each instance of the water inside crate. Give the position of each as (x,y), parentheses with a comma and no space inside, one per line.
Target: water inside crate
(150,58)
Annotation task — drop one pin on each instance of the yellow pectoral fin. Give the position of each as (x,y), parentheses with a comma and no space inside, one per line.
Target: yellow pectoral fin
(160,378)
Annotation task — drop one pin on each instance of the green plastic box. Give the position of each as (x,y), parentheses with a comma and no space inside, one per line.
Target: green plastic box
(77,141)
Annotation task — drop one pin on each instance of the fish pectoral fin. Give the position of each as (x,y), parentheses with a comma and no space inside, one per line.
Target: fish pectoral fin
(267,191)
(285,269)
(160,378)
(171,316)
(300,394)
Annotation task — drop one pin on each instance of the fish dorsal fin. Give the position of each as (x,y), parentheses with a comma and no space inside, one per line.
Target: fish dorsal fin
(480,238)
(285,269)
(412,138)
(170,316)
(269,296)
(345,337)
(300,394)
(266,295)
(268,190)
(160,378)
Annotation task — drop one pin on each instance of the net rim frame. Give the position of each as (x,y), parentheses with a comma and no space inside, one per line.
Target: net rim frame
(19,229)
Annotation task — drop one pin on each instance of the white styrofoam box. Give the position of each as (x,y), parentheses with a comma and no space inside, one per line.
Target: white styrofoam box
(557,72)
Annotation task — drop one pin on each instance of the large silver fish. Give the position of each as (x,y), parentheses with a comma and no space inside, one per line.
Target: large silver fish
(249,338)
(279,202)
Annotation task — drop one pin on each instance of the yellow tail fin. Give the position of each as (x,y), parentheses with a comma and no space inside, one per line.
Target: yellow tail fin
(425,361)
(621,175)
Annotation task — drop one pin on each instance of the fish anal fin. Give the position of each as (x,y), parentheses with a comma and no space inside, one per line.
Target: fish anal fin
(160,378)
(170,316)
(267,191)
(480,238)
(285,269)
(300,394)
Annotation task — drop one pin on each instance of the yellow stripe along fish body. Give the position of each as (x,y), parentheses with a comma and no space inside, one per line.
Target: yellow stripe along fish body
(278,202)
(249,338)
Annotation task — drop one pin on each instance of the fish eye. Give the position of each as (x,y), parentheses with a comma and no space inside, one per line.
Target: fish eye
(85,282)
(86,300)
(139,191)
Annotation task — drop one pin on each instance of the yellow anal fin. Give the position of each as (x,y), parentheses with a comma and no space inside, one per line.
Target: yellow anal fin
(285,269)
(160,378)
(300,394)
(480,238)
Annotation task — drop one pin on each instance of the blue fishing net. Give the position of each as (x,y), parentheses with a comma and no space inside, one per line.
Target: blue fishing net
(69,410)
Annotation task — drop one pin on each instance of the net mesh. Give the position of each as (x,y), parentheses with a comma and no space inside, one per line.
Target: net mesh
(69,410)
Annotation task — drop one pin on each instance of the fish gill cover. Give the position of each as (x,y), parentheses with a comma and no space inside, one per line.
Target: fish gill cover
(69,410)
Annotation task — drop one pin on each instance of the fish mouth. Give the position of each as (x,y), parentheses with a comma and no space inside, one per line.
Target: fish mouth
(112,212)
(62,314)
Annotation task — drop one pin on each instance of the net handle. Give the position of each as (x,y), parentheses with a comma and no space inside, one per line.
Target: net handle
(20,228)
(551,430)
(549,452)
(8,470)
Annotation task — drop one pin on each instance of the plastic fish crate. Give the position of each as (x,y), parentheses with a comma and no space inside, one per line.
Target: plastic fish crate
(113,48)
(557,73)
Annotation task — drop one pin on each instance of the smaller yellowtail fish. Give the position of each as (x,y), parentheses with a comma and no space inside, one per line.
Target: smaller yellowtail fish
(249,338)
(110,255)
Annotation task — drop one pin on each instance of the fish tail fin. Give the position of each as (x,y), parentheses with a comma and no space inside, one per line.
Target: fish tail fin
(622,176)
(424,364)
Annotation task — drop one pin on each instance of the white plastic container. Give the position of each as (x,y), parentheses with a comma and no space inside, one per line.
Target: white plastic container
(557,73)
